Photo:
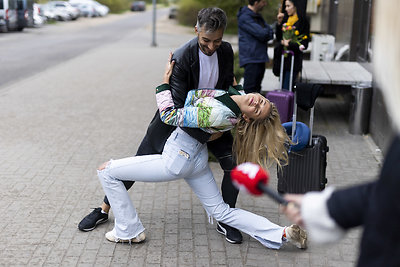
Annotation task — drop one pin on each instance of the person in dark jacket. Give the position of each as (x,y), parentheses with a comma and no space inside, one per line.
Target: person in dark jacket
(254,34)
(374,205)
(204,61)
(293,14)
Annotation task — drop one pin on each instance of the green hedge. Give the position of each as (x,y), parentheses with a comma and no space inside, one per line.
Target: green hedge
(116,6)
(119,6)
(188,10)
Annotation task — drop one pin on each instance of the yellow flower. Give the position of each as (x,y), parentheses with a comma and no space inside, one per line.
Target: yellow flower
(305,37)
(288,24)
(296,32)
(290,27)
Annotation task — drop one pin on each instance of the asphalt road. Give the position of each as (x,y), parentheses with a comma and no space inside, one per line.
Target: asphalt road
(36,49)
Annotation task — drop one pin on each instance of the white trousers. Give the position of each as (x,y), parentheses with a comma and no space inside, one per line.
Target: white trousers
(183,158)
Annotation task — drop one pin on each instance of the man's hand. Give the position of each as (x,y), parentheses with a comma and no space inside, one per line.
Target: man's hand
(279,17)
(168,69)
(293,209)
(215,136)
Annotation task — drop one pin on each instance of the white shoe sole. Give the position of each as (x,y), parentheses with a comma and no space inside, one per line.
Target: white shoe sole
(139,239)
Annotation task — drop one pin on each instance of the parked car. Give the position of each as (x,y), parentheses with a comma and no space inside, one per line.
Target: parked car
(15,13)
(91,8)
(38,20)
(53,13)
(101,10)
(3,25)
(173,12)
(73,12)
(138,6)
(86,8)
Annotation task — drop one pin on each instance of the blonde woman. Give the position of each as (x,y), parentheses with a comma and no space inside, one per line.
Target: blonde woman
(259,135)
(186,158)
(374,205)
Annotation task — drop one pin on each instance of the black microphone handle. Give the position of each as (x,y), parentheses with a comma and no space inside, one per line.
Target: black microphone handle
(271,193)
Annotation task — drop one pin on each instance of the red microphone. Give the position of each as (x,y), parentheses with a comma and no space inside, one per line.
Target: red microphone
(254,179)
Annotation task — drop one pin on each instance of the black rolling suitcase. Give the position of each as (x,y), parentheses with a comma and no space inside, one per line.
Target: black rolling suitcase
(306,170)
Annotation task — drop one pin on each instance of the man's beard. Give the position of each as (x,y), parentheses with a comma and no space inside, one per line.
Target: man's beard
(205,50)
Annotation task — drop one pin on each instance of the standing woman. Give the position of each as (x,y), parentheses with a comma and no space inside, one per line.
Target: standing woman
(293,15)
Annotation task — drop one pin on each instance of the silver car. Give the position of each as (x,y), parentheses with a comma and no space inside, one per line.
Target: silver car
(73,12)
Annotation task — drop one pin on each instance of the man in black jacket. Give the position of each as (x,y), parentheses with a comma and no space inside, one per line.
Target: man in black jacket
(254,34)
(204,62)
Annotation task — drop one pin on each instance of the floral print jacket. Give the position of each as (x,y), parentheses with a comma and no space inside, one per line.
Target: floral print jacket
(211,110)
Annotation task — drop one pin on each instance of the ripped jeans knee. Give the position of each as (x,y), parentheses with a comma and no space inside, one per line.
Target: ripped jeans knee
(103,172)
(104,165)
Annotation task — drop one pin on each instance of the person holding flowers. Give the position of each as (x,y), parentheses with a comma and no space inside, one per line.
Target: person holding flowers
(292,34)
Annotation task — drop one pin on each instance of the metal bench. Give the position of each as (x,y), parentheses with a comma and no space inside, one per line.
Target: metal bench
(344,77)
(336,73)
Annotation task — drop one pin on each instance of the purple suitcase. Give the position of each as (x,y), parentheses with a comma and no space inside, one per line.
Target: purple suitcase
(283,99)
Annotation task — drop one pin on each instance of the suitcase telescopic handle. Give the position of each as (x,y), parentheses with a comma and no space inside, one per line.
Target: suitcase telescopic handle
(285,52)
(294,119)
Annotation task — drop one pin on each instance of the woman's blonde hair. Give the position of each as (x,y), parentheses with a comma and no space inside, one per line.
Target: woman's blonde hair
(261,141)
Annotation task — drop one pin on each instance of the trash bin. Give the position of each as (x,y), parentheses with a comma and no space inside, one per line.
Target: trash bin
(360,108)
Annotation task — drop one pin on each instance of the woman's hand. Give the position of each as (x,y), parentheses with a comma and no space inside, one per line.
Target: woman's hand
(215,136)
(302,48)
(279,17)
(168,69)
(234,81)
(285,42)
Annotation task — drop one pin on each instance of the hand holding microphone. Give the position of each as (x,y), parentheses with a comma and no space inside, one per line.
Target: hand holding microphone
(254,179)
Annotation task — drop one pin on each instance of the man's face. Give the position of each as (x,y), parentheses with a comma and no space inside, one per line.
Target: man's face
(259,5)
(209,41)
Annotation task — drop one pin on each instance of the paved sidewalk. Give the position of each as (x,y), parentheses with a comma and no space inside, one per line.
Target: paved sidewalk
(58,126)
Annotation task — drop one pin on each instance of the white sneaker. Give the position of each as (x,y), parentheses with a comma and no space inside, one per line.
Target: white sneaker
(110,236)
(296,236)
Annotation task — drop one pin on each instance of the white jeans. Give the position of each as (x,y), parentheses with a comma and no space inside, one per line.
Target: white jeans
(183,158)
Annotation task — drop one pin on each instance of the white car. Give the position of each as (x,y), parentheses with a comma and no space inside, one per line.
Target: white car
(101,10)
(73,12)
(38,20)
(98,9)
(87,9)
(52,13)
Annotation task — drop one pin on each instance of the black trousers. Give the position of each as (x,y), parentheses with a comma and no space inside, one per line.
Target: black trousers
(253,76)
(220,148)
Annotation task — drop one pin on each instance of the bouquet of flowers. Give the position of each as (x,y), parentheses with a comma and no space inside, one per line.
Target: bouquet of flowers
(289,32)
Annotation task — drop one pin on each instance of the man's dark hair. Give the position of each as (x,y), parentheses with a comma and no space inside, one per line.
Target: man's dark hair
(212,19)
(251,2)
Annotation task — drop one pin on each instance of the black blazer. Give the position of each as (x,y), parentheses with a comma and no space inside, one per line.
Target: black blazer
(185,77)
(376,206)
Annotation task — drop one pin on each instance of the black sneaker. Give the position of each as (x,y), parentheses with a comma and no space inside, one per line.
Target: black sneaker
(93,219)
(231,234)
